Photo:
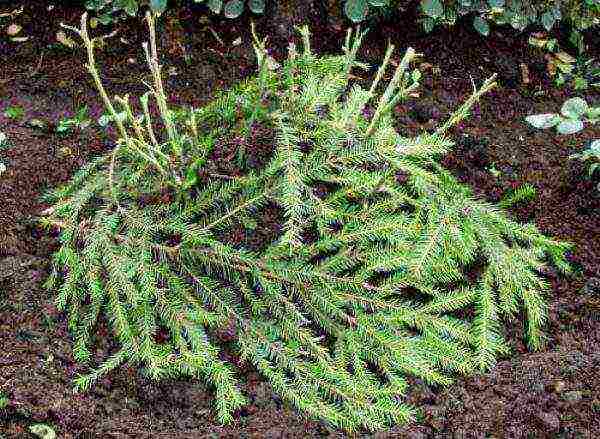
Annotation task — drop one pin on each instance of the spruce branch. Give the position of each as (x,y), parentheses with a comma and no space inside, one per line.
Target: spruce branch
(463,110)
(396,89)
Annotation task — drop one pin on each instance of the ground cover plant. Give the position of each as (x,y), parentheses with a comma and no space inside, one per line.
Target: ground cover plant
(574,115)
(517,13)
(590,155)
(579,14)
(110,10)
(386,266)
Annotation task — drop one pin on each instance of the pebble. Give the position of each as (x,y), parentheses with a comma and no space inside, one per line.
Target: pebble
(13,30)
(592,286)
(573,396)
(558,386)
(549,420)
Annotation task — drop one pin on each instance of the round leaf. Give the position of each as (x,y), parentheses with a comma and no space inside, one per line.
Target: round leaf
(543,121)
(481,25)
(574,108)
(593,114)
(257,6)
(131,7)
(158,5)
(356,10)
(428,24)
(548,20)
(569,126)
(233,8)
(432,8)
(215,6)
(104,120)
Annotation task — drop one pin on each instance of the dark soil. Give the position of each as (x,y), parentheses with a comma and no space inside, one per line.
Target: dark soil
(553,393)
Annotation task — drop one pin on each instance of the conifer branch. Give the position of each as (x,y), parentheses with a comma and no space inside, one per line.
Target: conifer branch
(368,293)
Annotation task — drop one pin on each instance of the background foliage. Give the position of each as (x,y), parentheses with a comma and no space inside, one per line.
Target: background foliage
(578,14)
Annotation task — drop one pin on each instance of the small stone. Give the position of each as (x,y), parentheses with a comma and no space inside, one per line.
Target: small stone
(64,39)
(538,387)
(42,431)
(573,396)
(415,434)
(558,386)
(525,74)
(13,30)
(38,124)
(550,421)
(592,286)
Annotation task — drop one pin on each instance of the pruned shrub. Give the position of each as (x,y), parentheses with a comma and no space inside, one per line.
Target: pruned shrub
(384,266)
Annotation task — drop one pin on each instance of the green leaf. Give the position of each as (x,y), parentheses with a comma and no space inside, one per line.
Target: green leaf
(416,75)
(356,10)
(122,116)
(104,120)
(428,24)
(215,6)
(481,25)
(378,3)
(158,6)
(548,20)
(15,113)
(593,114)
(257,6)
(82,114)
(543,121)
(496,3)
(574,108)
(130,7)
(4,401)
(519,22)
(570,126)
(577,40)
(432,8)
(105,19)
(233,8)
(43,431)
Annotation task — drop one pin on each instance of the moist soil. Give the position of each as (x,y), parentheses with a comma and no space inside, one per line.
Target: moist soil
(552,393)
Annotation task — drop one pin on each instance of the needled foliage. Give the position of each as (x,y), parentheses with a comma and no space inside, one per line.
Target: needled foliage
(385,266)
